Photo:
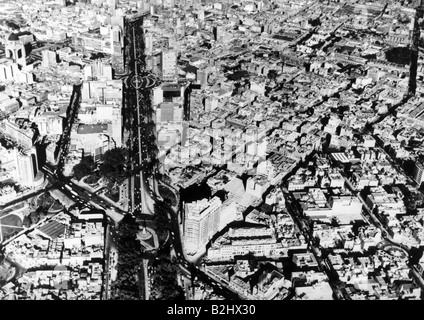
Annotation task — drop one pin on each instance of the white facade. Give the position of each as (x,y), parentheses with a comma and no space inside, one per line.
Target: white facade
(169,65)
(204,219)
(201,222)
(27,166)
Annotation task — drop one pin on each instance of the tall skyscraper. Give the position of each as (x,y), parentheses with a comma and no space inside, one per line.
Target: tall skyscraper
(27,166)
(156,63)
(418,171)
(148,40)
(203,219)
(169,65)
(219,33)
(202,77)
(49,58)
(201,223)
(116,40)
(98,70)
(201,15)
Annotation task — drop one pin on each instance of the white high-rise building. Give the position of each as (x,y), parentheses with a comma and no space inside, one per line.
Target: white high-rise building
(116,40)
(98,70)
(201,223)
(169,65)
(27,167)
(49,58)
(203,219)
(148,40)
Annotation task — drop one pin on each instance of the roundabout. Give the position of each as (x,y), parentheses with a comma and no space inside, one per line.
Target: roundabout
(141,82)
(148,239)
(393,250)
(147,236)
(144,234)
(396,251)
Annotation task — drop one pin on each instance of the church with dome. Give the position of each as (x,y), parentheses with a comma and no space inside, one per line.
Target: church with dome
(18,47)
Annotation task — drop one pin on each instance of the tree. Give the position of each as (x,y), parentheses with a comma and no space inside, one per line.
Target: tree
(26,222)
(165,285)
(84,168)
(403,18)
(314,22)
(129,260)
(161,216)
(34,217)
(167,195)
(127,241)
(399,55)
(113,166)
(272,74)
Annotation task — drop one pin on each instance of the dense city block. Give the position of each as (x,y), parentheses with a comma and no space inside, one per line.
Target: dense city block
(211,150)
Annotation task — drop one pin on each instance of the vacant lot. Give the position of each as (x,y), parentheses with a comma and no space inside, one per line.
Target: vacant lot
(7,225)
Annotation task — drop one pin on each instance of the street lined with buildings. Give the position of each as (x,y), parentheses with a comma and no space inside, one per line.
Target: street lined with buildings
(254,150)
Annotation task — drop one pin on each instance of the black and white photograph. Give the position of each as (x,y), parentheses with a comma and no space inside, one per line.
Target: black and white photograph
(218,157)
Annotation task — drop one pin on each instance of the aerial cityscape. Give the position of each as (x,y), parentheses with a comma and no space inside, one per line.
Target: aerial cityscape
(211,150)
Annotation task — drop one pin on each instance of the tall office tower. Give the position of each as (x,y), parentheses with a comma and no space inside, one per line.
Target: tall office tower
(418,171)
(202,77)
(98,70)
(178,31)
(49,58)
(116,40)
(187,99)
(156,63)
(201,223)
(27,166)
(173,43)
(169,65)
(201,15)
(148,40)
(171,104)
(219,33)
(203,219)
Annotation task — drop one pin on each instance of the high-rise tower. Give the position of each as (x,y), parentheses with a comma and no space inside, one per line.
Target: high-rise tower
(27,167)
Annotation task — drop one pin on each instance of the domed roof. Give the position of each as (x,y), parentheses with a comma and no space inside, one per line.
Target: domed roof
(13,37)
